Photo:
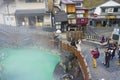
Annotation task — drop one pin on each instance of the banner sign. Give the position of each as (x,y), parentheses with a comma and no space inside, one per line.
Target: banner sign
(81,20)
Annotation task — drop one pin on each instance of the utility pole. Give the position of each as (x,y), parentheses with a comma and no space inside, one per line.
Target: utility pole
(8,13)
(50,10)
(8,7)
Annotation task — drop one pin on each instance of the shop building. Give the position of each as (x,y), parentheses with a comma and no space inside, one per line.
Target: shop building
(32,16)
(75,13)
(26,13)
(106,14)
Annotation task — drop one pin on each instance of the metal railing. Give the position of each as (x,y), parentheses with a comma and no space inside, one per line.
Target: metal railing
(93,37)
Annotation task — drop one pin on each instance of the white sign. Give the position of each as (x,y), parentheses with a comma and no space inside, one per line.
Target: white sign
(9,20)
(116,31)
(58,26)
(74,21)
(110,10)
(71,16)
(80,11)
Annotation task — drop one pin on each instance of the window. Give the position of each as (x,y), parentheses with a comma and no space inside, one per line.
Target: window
(103,10)
(110,10)
(79,15)
(78,4)
(40,18)
(115,9)
(115,37)
(30,1)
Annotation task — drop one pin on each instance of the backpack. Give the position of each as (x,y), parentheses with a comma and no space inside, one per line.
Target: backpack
(97,55)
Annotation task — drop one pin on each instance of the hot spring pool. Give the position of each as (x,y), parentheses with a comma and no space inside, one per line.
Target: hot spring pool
(28,64)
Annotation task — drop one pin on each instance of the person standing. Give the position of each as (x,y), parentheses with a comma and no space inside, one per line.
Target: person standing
(73,43)
(119,55)
(78,45)
(95,54)
(113,52)
(56,38)
(102,39)
(107,57)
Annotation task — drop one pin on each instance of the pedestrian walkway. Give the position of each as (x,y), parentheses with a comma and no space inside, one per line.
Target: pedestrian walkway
(101,72)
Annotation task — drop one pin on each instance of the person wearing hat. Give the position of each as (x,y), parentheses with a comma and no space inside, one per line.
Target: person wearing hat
(95,55)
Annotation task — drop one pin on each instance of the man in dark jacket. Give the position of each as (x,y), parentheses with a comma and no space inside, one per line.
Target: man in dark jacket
(119,55)
(107,57)
(73,43)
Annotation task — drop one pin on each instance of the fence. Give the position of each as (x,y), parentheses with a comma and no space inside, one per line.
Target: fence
(80,57)
(93,37)
(6,28)
(74,34)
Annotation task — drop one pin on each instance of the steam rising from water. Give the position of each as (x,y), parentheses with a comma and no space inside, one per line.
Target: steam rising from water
(19,39)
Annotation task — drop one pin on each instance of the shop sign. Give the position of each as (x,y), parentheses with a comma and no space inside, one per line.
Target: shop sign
(110,16)
(58,26)
(72,21)
(110,10)
(9,20)
(81,20)
(58,23)
(80,11)
(71,15)
(116,31)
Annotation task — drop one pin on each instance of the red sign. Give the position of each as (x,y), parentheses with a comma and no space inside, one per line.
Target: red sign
(81,20)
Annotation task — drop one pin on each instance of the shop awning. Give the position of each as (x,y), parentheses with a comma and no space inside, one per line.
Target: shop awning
(32,12)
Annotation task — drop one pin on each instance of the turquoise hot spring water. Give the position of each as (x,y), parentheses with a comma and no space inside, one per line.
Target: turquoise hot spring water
(27,64)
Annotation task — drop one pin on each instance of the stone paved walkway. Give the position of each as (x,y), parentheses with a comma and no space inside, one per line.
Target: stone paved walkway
(101,72)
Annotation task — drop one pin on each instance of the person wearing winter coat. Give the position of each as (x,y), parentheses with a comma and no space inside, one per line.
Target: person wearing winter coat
(114,49)
(107,57)
(95,54)
(119,55)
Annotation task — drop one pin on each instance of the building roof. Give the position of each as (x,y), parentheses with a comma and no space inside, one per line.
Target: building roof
(77,8)
(77,0)
(31,12)
(110,3)
(60,16)
(70,1)
(67,2)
